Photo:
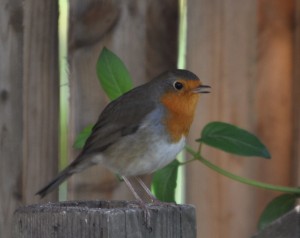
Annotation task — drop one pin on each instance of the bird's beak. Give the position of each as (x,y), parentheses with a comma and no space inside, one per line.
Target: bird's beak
(202,89)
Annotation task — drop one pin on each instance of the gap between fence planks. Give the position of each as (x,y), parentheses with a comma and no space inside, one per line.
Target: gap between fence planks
(103,219)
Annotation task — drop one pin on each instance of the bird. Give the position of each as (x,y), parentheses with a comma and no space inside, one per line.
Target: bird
(141,131)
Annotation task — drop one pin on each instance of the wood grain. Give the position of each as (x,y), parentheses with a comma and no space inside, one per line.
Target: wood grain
(11,39)
(40,98)
(273,104)
(103,219)
(243,49)
(287,225)
(86,97)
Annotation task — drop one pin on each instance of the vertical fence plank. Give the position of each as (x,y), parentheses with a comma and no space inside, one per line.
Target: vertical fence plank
(11,39)
(246,74)
(144,35)
(273,96)
(86,98)
(296,97)
(161,37)
(221,50)
(41,96)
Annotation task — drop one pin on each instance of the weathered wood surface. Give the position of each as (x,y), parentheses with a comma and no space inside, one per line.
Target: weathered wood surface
(40,98)
(103,219)
(287,226)
(144,35)
(243,49)
(86,97)
(11,40)
(29,103)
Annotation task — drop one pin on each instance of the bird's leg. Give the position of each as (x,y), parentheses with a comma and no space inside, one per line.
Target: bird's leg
(139,189)
(137,194)
(154,200)
(132,189)
(147,190)
(144,192)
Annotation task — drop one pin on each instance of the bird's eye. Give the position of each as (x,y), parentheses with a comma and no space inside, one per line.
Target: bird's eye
(177,85)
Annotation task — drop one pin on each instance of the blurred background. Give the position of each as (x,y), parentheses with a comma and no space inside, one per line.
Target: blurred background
(247,51)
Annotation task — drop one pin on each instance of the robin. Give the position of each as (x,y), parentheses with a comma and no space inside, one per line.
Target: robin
(141,131)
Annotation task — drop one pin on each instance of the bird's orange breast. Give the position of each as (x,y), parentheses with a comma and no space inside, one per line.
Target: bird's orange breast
(180,113)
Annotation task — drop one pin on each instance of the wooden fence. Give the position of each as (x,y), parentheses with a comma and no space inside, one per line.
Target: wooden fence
(248,51)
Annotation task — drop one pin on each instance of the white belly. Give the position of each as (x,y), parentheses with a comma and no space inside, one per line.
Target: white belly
(156,155)
(161,154)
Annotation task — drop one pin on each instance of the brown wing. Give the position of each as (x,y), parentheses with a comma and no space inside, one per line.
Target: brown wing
(120,118)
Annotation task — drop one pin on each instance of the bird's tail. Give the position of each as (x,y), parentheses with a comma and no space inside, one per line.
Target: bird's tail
(62,176)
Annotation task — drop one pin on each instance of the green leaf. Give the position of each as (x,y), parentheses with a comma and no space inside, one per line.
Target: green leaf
(164,182)
(113,75)
(276,208)
(115,81)
(82,137)
(233,139)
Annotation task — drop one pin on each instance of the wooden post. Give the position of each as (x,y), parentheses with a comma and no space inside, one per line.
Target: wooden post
(103,219)
(287,225)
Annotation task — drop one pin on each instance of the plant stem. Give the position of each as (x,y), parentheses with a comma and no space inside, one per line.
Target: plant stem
(241,179)
(187,161)
(199,148)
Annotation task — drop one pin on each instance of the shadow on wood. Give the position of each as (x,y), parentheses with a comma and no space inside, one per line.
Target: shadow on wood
(103,219)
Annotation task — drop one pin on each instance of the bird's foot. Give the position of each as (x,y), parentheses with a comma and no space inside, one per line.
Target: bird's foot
(156,202)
